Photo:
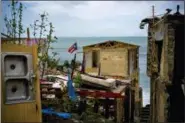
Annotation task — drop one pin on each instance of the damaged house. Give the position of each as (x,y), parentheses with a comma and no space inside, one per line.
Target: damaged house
(111,58)
(117,60)
(165,66)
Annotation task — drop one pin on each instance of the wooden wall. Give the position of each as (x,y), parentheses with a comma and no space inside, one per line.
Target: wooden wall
(27,111)
(114,62)
(88,60)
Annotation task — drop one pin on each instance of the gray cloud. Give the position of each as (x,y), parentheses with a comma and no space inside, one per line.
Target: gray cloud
(97,18)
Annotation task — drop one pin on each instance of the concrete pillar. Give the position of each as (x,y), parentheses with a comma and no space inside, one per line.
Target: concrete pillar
(153,108)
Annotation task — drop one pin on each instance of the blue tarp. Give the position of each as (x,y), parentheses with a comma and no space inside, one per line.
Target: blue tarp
(50,111)
(70,88)
(63,115)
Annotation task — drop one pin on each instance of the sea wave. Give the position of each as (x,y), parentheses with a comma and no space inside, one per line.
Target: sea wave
(146,97)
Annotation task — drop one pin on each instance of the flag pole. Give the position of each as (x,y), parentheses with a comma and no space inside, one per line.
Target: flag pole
(73,65)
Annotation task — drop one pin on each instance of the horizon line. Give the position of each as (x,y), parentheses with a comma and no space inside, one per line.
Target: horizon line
(96,36)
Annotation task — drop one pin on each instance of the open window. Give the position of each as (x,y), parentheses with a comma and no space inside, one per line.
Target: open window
(95,59)
(132,61)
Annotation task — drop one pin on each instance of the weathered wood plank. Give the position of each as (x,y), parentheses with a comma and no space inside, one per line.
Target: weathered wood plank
(119,110)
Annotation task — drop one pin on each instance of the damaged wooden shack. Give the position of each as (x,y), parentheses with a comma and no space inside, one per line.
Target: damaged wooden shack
(165,66)
(111,72)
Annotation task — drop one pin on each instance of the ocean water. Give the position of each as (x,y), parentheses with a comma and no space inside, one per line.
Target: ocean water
(63,43)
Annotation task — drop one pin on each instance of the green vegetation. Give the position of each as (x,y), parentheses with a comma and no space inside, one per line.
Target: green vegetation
(20,26)
(60,67)
(66,63)
(77,80)
(51,79)
(13,24)
(40,29)
(14,30)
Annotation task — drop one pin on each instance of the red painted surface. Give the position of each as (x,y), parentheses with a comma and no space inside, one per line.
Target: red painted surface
(83,92)
(99,94)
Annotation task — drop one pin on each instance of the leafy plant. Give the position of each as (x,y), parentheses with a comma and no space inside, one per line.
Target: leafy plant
(60,67)
(52,62)
(51,79)
(20,26)
(40,29)
(77,80)
(13,25)
(66,63)
(8,26)
(14,13)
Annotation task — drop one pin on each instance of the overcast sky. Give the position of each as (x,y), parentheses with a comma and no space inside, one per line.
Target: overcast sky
(95,18)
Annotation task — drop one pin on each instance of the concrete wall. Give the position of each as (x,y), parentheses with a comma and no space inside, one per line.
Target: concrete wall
(158,93)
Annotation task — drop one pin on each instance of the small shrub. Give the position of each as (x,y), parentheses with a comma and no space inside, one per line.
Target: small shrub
(77,80)
(51,79)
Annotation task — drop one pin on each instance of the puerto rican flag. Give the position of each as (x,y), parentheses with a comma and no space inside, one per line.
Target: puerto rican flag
(72,48)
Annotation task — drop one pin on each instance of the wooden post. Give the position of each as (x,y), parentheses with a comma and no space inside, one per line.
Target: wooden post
(28,37)
(73,66)
(28,33)
(153,11)
(106,108)
(130,104)
(83,64)
(160,102)
(137,103)
(152,81)
(119,110)
(82,105)
(99,69)
(153,107)
(96,107)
